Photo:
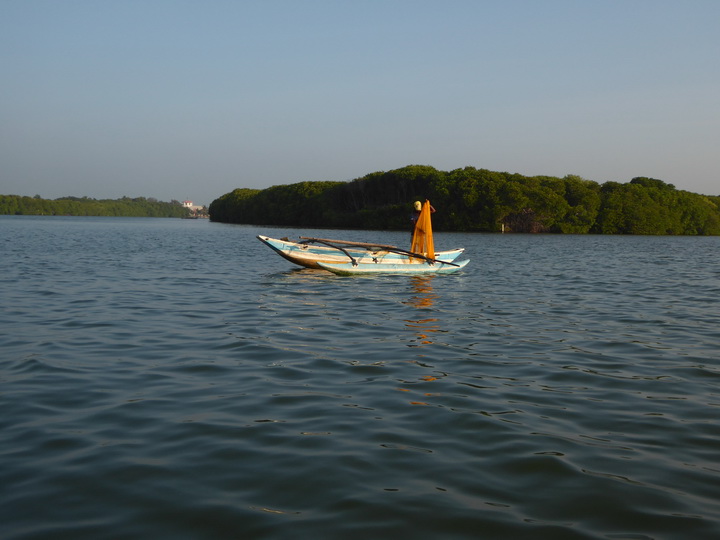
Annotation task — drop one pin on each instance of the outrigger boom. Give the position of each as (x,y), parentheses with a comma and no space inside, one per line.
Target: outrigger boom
(331,243)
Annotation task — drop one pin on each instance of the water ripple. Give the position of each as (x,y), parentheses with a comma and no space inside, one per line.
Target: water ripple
(157,381)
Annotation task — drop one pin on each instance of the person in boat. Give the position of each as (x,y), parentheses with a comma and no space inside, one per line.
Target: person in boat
(417,208)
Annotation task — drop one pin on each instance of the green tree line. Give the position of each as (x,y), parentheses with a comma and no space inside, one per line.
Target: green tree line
(84,206)
(471,199)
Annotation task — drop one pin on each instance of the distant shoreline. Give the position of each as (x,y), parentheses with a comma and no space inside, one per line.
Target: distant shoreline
(85,206)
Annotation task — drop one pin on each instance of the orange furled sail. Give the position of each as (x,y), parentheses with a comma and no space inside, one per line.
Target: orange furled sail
(422,239)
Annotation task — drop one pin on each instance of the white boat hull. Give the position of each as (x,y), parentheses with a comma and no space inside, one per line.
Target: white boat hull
(348,268)
(312,255)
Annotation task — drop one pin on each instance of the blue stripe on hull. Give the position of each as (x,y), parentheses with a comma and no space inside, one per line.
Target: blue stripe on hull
(400,268)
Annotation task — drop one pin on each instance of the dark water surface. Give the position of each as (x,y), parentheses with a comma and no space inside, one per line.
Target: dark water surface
(177,379)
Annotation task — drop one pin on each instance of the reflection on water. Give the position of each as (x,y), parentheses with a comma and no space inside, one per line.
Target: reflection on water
(304,275)
(423,327)
(423,298)
(565,388)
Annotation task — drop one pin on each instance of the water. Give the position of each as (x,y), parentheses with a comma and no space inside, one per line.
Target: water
(177,379)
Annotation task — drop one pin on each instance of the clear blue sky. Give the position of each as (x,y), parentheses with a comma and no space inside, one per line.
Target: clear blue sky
(177,99)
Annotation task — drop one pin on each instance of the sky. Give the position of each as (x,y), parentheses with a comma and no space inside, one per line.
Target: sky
(180,99)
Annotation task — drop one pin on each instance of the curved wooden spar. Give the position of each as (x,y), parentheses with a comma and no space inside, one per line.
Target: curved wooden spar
(348,243)
(394,249)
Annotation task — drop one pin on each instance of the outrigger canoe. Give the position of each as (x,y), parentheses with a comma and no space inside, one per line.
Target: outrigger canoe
(312,252)
(345,257)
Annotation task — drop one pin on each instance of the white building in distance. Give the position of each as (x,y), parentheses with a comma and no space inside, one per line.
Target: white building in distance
(190,206)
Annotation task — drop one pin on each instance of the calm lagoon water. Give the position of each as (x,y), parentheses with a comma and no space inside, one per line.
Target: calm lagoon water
(177,379)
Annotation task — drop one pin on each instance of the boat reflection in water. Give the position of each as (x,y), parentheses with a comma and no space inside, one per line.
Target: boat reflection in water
(423,298)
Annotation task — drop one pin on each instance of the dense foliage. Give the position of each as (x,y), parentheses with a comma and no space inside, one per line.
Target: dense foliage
(472,199)
(84,206)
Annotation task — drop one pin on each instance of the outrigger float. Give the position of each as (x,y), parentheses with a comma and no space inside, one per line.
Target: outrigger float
(347,258)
